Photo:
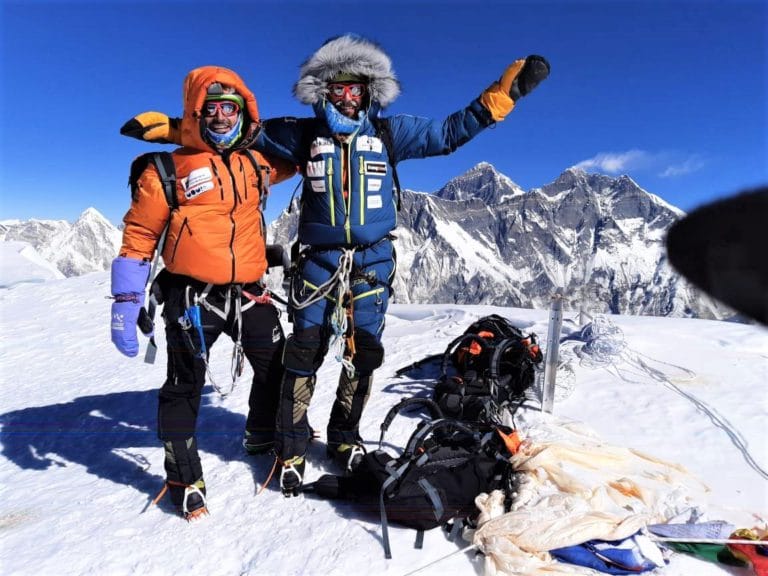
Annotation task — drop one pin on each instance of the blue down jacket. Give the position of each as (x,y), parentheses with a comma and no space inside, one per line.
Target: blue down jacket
(331,219)
(368,213)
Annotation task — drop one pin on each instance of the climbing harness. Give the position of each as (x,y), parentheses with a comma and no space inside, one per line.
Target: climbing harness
(191,322)
(337,289)
(348,349)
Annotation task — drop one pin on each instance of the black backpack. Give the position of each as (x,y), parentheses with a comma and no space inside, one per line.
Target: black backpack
(443,467)
(488,368)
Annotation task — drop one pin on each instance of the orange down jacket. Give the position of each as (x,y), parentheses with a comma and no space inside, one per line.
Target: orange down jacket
(216,234)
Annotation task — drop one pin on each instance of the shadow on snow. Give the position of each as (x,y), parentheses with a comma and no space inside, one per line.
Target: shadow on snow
(106,434)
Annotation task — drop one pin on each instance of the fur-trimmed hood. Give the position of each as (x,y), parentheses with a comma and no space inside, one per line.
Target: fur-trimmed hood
(348,54)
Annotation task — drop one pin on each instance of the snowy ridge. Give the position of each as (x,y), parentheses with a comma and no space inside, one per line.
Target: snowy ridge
(20,263)
(482,182)
(88,245)
(483,240)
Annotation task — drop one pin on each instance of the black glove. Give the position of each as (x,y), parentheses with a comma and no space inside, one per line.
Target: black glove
(535,69)
(145,323)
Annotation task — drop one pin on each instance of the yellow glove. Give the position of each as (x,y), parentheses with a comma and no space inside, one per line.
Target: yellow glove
(518,80)
(153,127)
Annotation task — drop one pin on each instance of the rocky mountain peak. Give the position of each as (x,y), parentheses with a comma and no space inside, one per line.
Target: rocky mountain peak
(482,182)
(482,240)
(88,245)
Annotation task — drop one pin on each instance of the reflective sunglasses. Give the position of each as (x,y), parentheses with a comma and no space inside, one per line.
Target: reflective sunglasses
(227,108)
(339,90)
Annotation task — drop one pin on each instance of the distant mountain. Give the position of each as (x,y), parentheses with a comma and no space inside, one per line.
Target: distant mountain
(482,182)
(481,239)
(88,245)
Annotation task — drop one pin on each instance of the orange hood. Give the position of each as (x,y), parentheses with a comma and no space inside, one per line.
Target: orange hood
(195,90)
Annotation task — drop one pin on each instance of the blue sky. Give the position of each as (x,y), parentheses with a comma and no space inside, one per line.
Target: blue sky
(672,93)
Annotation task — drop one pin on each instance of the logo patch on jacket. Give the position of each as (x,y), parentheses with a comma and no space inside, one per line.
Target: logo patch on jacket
(316,168)
(369,144)
(321,146)
(199,180)
(318,185)
(377,168)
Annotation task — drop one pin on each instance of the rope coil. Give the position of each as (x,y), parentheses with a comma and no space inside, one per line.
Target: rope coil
(337,288)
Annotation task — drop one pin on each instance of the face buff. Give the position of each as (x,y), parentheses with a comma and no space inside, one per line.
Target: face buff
(228,138)
(340,124)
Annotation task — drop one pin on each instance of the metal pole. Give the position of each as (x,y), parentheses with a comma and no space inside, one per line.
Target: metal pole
(553,353)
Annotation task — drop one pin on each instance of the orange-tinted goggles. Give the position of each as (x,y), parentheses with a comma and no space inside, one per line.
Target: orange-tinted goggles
(226,107)
(355,90)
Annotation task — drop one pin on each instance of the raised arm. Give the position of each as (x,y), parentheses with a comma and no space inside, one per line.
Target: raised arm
(160,128)
(417,137)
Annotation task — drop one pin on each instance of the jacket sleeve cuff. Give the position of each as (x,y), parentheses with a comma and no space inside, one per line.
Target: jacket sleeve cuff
(129,276)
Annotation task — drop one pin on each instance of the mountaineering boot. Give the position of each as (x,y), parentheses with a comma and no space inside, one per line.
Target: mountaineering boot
(344,444)
(348,456)
(190,499)
(292,476)
(184,478)
(256,443)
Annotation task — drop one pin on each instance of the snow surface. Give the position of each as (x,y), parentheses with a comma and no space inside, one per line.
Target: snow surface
(80,460)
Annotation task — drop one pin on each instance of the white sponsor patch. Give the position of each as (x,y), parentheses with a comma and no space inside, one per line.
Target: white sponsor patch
(198,181)
(321,146)
(375,167)
(318,185)
(374,184)
(197,177)
(369,144)
(316,168)
(373,202)
(196,191)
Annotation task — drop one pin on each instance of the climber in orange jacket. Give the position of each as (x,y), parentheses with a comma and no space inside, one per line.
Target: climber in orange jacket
(215,257)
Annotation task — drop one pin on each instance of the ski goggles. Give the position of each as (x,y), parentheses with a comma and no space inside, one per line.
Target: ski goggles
(355,90)
(226,107)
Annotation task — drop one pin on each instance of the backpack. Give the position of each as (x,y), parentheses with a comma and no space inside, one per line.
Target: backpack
(166,170)
(488,368)
(444,465)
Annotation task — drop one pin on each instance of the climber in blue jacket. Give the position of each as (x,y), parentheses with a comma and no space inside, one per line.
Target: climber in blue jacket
(348,210)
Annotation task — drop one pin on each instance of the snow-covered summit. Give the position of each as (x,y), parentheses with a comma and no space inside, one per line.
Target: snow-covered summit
(482,182)
(481,239)
(87,245)
(81,461)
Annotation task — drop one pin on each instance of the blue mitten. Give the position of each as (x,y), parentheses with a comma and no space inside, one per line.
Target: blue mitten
(129,277)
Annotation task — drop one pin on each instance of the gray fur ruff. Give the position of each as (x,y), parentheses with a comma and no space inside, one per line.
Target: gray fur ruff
(349,55)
